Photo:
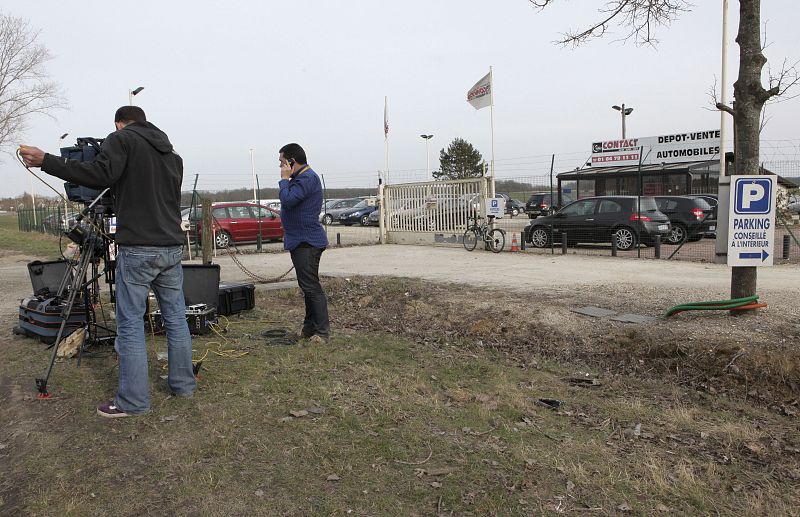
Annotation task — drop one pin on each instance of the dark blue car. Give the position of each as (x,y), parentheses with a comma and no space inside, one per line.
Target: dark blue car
(359,214)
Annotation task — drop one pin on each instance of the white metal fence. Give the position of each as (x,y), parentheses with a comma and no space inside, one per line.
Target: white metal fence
(414,211)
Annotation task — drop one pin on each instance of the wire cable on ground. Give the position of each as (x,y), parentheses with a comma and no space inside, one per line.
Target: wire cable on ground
(736,304)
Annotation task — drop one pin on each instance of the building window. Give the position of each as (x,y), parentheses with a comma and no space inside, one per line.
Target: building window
(585,188)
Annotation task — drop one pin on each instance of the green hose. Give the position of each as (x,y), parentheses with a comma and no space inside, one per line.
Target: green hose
(712,305)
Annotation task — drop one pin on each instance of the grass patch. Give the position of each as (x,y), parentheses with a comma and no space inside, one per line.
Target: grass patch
(31,243)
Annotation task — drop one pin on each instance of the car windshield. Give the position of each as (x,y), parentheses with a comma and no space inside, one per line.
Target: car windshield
(330,203)
(362,204)
(702,204)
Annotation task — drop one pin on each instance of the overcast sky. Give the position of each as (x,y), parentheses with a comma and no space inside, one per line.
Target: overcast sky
(224,77)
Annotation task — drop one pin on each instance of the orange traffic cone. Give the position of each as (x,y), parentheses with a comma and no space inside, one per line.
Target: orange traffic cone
(514,245)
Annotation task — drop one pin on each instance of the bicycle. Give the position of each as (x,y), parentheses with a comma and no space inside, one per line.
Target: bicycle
(495,238)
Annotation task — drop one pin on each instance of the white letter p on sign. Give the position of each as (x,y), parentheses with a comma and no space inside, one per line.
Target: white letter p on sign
(751,193)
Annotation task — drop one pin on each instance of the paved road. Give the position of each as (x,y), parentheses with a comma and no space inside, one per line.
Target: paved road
(523,271)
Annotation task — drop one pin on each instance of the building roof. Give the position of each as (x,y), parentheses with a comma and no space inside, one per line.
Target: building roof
(627,170)
(685,167)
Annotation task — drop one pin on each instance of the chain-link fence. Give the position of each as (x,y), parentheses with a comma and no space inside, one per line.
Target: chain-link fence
(50,218)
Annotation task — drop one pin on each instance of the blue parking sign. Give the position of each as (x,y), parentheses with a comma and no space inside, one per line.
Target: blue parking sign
(753,196)
(494,203)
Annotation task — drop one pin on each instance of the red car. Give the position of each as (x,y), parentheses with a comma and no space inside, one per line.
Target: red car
(239,223)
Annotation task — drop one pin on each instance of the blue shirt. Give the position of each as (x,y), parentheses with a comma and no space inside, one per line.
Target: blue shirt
(301,202)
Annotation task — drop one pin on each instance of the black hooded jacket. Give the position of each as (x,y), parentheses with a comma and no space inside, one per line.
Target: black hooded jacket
(145,176)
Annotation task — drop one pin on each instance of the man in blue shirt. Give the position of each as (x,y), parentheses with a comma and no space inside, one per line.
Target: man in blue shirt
(304,237)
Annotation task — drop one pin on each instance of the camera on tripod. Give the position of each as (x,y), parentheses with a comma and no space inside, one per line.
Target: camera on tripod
(70,303)
(85,149)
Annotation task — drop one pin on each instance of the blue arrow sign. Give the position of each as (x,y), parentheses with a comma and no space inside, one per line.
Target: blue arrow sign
(762,255)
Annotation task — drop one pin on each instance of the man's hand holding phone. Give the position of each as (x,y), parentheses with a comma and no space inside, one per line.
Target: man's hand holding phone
(286,168)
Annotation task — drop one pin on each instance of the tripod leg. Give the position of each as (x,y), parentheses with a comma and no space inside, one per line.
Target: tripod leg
(77,281)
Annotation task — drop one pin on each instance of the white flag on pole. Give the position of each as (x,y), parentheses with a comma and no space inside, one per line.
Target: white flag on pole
(480,95)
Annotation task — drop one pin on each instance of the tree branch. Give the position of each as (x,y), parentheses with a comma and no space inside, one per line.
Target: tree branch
(726,109)
(640,17)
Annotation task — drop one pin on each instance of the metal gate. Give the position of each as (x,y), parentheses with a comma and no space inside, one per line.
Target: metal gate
(432,211)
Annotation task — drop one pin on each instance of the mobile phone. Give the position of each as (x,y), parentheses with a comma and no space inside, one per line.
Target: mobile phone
(290,162)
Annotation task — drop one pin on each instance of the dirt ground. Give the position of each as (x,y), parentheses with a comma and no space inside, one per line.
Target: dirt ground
(697,414)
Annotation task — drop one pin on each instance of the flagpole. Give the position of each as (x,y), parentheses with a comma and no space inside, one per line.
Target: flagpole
(491,122)
(386,132)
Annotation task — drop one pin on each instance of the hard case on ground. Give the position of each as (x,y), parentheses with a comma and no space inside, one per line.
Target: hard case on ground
(199,318)
(41,317)
(46,277)
(235,298)
(201,284)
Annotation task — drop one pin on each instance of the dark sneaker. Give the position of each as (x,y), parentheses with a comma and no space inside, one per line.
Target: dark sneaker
(109,410)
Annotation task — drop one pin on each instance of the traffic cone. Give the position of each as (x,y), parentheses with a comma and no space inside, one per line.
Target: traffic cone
(514,245)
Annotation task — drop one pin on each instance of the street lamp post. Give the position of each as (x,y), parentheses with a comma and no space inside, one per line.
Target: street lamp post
(624,112)
(253,170)
(427,159)
(66,207)
(131,94)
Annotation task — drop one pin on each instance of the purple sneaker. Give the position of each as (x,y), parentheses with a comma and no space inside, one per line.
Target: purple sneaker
(109,410)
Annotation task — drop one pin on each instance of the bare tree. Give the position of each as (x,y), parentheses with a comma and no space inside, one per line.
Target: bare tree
(642,17)
(25,88)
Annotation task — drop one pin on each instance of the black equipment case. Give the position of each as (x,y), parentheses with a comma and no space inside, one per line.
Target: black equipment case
(41,317)
(201,284)
(235,298)
(200,292)
(200,317)
(46,277)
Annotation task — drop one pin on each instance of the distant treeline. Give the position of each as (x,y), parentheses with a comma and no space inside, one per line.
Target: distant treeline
(272,193)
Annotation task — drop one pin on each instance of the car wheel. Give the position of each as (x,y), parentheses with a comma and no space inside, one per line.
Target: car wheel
(327,219)
(514,212)
(625,238)
(222,239)
(677,235)
(364,220)
(540,237)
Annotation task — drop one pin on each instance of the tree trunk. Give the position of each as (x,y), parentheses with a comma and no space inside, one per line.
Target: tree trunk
(750,97)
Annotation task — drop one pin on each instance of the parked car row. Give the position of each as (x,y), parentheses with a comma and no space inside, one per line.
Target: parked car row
(626,220)
(347,211)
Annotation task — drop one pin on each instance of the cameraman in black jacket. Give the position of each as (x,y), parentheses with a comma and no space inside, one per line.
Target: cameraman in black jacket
(145,174)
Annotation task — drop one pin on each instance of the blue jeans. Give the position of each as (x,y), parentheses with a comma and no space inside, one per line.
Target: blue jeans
(139,269)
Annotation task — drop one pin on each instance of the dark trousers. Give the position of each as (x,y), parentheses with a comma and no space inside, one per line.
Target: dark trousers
(306,264)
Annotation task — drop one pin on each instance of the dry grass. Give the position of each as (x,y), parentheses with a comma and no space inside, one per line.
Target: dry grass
(408,413)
